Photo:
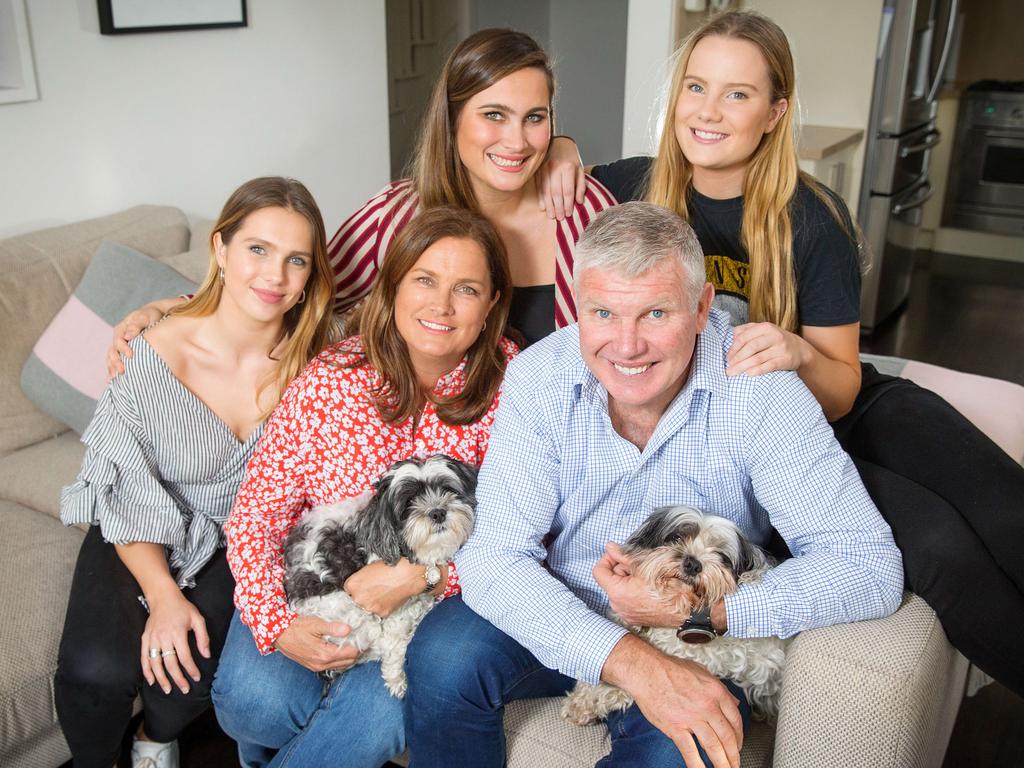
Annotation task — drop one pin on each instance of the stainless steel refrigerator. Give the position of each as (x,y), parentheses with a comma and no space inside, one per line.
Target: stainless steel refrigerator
(916,43)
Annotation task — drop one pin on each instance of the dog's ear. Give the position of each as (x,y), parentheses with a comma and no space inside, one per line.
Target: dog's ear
(466,476)
(665,525)
(752,558)
(651,533)
(378,529)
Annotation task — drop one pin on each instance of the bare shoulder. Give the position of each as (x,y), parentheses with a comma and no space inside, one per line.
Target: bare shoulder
(172,339)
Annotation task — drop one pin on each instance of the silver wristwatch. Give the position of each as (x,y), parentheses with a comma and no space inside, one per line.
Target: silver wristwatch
(432,575)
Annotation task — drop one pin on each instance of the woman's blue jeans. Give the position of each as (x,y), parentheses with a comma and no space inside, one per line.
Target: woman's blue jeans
(282,714)
(462,671)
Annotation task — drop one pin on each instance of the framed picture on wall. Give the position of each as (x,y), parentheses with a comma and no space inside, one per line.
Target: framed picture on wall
(123,17)
(17,71)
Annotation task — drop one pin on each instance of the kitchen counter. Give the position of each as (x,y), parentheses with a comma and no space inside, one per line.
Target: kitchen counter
(816,142)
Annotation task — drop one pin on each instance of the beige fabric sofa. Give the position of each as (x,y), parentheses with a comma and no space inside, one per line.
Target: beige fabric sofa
(880,693)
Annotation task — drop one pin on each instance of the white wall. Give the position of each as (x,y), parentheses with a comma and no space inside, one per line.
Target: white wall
(834,44)
(650,40)
(588,41)
(181,118)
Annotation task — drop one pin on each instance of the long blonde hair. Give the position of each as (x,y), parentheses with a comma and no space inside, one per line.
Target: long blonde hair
(308,325)
(477,63)
(771,178)
(399,395)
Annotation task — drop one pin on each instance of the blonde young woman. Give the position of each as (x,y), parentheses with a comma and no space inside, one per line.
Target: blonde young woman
(165,452)
(783,256)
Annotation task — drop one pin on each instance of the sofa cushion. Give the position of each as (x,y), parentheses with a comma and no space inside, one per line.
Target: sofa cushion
(37,558)
(191,264)
(38,272)
(66,372)
(34,475)
(886,690)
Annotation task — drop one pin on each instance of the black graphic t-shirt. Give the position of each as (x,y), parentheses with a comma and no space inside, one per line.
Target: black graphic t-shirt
(825,259)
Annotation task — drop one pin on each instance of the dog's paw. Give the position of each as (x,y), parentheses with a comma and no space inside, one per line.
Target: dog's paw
(577,710)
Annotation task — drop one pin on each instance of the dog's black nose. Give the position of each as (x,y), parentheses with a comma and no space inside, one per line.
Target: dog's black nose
(691,565)
(438,514)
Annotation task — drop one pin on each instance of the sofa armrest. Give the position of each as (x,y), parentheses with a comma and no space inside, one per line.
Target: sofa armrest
(880,693)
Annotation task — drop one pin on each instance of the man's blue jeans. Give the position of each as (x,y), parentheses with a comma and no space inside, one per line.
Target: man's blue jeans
(282,714)
(462,671)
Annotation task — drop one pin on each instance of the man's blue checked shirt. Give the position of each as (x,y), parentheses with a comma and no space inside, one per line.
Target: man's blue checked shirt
(754,449)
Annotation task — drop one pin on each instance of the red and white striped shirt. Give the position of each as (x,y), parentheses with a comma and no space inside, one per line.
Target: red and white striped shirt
(325,441)
(359,245)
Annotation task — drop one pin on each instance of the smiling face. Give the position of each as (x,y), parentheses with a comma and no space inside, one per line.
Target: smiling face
(441,305)
(723,110)
(266,263)
(503,132)
(637,335)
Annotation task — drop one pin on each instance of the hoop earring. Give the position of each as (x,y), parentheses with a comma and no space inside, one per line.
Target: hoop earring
(221,275)
(484,328)
(303,297)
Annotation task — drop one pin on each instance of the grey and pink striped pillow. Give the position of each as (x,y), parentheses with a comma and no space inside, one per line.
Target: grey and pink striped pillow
(66,372)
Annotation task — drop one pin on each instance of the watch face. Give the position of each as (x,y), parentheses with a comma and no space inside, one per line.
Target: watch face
(432,576)
(696,635)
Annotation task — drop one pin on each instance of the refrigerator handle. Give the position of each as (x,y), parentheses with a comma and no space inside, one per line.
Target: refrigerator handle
(932,139)
(947,46)
(923,195)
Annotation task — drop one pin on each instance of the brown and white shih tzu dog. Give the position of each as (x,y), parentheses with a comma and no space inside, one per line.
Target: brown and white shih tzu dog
(690,561)
(421,510)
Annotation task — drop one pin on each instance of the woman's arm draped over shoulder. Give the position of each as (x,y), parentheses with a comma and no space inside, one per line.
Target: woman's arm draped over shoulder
(360,243)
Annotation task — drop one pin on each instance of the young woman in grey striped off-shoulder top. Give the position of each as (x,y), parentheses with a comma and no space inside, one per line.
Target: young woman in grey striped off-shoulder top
(165,453)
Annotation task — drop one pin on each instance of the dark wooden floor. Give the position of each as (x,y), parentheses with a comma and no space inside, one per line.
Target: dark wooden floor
(963,313)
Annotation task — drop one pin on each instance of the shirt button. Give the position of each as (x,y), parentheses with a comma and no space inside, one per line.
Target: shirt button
(750,629)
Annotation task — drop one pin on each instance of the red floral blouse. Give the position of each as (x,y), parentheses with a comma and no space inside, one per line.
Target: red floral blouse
(324,442)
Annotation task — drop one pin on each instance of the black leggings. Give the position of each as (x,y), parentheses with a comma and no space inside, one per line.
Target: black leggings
(955,502)
(98,671)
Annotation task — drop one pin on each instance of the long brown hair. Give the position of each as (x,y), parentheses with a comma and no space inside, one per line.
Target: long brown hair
(477,63)
(399,395)
(307,326)
(770,182)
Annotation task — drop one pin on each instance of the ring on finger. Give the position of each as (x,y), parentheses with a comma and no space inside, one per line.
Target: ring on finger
(171,652)
(154,653)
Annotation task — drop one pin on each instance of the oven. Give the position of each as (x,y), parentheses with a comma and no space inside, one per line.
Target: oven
(986,189)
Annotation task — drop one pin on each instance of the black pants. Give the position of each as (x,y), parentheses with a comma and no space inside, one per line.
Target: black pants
(955,502)
(98,671)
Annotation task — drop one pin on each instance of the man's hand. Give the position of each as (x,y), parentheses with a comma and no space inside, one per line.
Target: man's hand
(307,641)
(681,699)
(629,596)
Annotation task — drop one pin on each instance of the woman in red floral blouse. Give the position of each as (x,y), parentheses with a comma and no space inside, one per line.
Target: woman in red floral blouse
(421,376)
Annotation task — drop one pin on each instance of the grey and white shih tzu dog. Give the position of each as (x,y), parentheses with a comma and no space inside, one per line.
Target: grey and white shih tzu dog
(421,510)
(690,561)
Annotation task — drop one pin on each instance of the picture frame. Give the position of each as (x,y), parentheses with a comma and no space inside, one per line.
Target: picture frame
(124,17)
(17,69)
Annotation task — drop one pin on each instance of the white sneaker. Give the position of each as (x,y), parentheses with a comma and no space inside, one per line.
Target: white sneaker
(154,754)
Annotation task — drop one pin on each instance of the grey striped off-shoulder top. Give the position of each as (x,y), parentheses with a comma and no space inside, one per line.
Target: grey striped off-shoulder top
(159,466)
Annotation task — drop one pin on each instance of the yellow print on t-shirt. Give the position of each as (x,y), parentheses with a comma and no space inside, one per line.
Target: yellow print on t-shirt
(728,275)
